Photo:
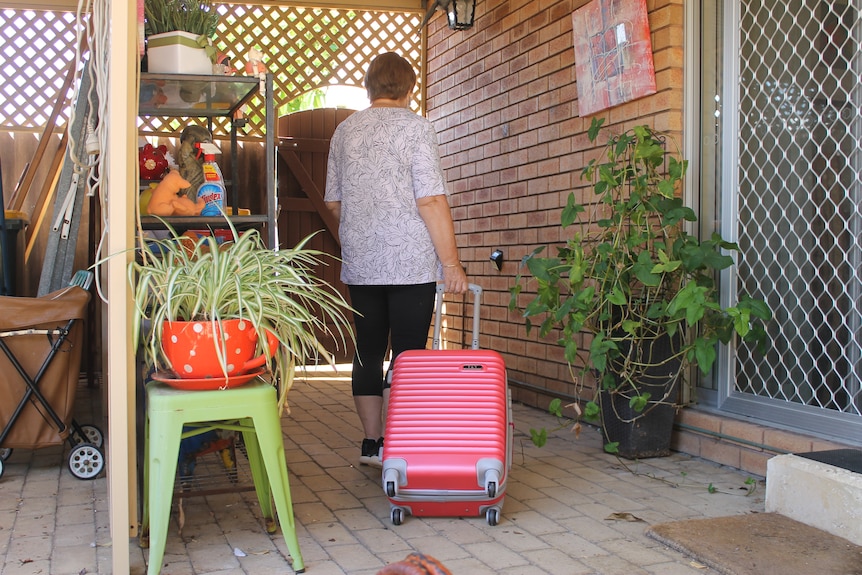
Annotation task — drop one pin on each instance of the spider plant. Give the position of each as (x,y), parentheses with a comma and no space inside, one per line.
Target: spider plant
(183,278)
(197,17)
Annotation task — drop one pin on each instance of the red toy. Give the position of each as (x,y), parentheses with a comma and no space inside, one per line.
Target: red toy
(153,162)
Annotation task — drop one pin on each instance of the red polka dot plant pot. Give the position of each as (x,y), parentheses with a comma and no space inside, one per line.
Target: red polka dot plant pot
(199,349)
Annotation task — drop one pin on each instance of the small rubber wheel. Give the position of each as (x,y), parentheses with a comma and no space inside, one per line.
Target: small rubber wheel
(94,435)
(86,461)
(397,516)
(492,515)
(5,453)
(1,468)
(492,489)
(390,488)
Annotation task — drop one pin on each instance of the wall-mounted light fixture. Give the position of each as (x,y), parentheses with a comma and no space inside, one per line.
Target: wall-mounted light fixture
(497,258)
(461,14)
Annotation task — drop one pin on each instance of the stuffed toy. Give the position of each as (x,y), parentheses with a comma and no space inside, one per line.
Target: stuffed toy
(153,161)
(255,65)
(167,198)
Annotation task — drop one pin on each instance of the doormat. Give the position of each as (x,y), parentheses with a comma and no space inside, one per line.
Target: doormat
(760,544)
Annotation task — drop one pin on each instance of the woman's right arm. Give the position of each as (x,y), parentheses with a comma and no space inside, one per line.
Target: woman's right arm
(436,214)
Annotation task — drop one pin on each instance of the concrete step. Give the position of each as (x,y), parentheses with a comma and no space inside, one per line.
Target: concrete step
(822,489)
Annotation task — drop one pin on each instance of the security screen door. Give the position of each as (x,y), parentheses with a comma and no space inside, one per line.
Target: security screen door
(781,89)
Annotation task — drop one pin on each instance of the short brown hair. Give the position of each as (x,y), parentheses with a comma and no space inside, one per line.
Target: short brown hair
(389,76)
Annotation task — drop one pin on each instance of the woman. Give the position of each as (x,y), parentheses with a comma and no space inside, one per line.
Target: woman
(385,186)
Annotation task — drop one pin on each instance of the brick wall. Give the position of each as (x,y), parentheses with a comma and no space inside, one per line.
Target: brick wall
(503,98)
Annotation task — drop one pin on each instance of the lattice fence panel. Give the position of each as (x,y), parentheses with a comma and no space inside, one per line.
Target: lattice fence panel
(308,48)
(304,48)
(36,50)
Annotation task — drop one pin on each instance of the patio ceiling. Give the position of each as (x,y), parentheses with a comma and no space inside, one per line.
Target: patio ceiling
(400,5)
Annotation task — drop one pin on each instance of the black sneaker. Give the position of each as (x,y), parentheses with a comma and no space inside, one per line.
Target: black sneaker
(380,450)
(370,453)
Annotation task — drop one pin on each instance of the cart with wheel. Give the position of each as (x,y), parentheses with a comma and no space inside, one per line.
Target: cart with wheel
(40,359)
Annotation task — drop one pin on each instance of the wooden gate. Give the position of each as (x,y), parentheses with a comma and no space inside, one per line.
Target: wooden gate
(303,149)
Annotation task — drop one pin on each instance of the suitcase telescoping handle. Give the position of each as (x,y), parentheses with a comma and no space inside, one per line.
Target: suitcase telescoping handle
(438,312)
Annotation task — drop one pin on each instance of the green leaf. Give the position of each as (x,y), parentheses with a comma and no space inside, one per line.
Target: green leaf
(691,300)
(673,210)
(595,126)
(591,411)
(555,407)
(666,265)
(676,168)
(758,308)
(514,292)
(639,402)
(599,348)
(723,244)
(571,211)
(542,268)
(539,437)
(643,270)
(612,447)
(617,297)
(705,354)
(666,188)
(608,381)
(571,350)
(741,320)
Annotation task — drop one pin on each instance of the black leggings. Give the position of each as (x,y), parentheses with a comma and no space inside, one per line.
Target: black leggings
(400,313)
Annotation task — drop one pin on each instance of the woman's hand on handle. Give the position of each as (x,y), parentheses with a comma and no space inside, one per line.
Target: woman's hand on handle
(455,279)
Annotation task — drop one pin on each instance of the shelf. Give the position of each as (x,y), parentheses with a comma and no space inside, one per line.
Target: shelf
(182,95)
(184,223)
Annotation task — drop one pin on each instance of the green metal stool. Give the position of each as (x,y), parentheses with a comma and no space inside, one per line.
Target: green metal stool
(251,409)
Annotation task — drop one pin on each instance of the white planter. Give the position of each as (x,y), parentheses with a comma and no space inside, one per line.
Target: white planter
(177,53)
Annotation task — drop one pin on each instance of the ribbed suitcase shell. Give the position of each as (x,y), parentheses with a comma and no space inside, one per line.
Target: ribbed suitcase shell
(447,423)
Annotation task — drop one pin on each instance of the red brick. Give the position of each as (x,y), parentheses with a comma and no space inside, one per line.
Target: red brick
(719,452)
(754,461)
(700,420)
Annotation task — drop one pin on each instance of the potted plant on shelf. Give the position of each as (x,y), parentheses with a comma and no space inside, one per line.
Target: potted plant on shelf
(196,284)
(179,36)
(642,286)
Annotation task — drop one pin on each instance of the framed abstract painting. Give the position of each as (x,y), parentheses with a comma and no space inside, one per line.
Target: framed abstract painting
(613,54)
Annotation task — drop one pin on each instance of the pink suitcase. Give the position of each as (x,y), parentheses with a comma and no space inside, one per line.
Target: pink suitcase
(448,431)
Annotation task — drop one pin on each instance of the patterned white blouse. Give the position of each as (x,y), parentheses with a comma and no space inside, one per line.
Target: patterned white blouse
(381,160)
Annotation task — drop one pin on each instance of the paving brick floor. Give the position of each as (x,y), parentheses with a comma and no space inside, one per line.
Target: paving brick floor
(570,509)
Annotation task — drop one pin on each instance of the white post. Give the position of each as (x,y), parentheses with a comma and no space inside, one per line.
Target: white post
(119,210)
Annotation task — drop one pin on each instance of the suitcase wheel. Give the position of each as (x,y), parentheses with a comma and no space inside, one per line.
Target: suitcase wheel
(390,488)
(492,515)
(397,516)
(492,489)
(1,467)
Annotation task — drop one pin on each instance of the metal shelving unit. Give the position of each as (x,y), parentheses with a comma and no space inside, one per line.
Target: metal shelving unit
(211,97)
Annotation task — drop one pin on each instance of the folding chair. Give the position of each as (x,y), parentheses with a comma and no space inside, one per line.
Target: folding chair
(40,341)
